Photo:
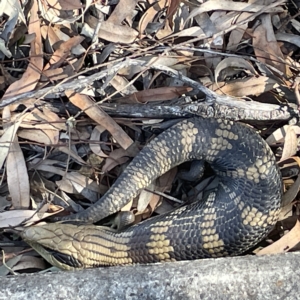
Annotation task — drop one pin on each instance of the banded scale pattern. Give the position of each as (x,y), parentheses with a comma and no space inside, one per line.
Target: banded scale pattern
(233,218)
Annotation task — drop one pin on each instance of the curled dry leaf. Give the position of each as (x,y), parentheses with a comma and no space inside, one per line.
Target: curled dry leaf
(237,35)
(286,243)
(290,144)
(13,10)
(17,176)
(115,158)
(234,63)
(54,35)
(279,134)
(121,11)
(128,206)
(62,11)
(7,138)
(117,33)
(64,50)
(195,31)
(145,197)
(95,136)
(64,4)
(150,14)
(122,85)
(231,6)
(101,117)
(43,137)
(245,87)
(13,218)
(290,195)
(119,157)
(76,183)
(149,61)
(112,32)
(33,72)
(29,262)
(54,119)
(148,201)
(290,38)
(266,47)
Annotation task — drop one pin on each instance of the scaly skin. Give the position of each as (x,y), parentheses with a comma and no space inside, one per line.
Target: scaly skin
(234,217)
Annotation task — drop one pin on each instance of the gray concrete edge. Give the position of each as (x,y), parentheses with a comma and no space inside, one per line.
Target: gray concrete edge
(247,277)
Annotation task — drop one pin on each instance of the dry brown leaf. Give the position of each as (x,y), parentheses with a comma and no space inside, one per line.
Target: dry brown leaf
(128,206)
(157,94)
(165,32)
(119,157)
(76,183)
(72,154)
(44,137)
(279,134)
(122,85)
(54,119)
(216,5)
(293,190)
(290,195)
(33,72)
(195,31)
(36,119)
(64,50)
(173,6)
(112,32)
(237,35)
(79,133)
(55,75)
(17,176)
(7,138)
(154,203)
(145,197)
(46,166)
(69,180)
(290,38)
(286,243)
(112,163)
(265,45)
(286,212)
(150,14)
(9,263)
(150,61)
(235,63)
(99,116)
(245,87)
(148,201)
(49,33)
(61,73)
(13,218)
(290,144)
(54,12)
(121,11)
(117,33)
(63,4)
(95,136)
(29,262)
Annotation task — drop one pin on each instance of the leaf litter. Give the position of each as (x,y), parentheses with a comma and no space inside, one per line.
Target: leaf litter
(66,70)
